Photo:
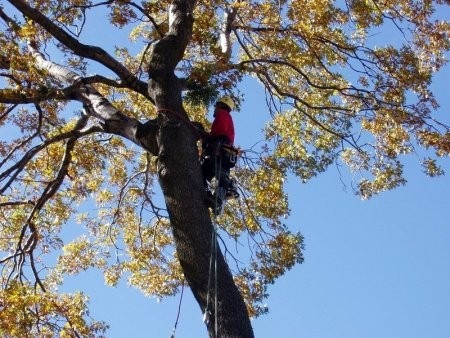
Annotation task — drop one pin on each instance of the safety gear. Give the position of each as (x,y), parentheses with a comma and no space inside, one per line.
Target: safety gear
(229,156)
(232,189)
(227,100)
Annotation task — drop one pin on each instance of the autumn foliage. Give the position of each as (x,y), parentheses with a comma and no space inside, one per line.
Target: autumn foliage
(347,83)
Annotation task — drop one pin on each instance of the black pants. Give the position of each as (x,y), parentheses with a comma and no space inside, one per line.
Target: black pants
(211,167)
(216,164)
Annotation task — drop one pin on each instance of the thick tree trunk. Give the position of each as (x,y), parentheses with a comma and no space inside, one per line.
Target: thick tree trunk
(182,184)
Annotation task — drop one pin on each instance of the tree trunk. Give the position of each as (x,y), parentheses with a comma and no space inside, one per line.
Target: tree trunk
(182,184)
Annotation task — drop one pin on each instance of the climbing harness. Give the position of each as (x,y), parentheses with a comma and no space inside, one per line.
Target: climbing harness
(230,155)
(220,156)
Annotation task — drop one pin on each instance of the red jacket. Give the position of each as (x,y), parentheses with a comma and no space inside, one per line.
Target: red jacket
(223,125)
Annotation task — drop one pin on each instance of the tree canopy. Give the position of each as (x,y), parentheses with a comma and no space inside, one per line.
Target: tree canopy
(97,133)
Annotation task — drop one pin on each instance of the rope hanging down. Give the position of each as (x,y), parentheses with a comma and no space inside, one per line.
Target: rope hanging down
(212,271)
(213,259)
(178,313)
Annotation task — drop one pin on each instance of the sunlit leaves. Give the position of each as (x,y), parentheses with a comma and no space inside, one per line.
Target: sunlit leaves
(391,137)
(301,145)
(79,255)
(436,140)
(26,312)
(121,14)
(385,176)
(431,168)
(366,13)
(272,259)
(28,30)
(153,267)
(284,253)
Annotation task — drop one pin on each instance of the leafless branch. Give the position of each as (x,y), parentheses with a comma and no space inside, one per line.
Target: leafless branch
(27,140)
(16,203)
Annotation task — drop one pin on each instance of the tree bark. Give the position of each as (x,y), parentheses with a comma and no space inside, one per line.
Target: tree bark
(182,184)
(181,181)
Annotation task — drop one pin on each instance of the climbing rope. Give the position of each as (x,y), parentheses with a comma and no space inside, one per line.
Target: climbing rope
(212,270)
(213,254)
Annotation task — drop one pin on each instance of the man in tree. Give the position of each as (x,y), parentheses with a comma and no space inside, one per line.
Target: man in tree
(219,155)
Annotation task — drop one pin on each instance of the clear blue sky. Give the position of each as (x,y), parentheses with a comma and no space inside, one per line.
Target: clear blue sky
(377,268)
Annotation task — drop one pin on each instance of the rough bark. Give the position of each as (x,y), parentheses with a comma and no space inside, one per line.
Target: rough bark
(181,182)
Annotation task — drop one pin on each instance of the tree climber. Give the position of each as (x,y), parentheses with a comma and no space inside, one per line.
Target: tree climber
(219,155)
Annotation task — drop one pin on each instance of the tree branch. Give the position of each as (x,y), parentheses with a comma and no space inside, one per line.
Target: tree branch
(225,41)
(10,96)
(97,105)
(13,171)
(15,203)
(90,52)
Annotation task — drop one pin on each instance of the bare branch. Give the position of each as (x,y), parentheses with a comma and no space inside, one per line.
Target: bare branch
(16,203)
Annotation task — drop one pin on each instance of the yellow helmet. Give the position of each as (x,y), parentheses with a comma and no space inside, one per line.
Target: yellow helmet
(227,100)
